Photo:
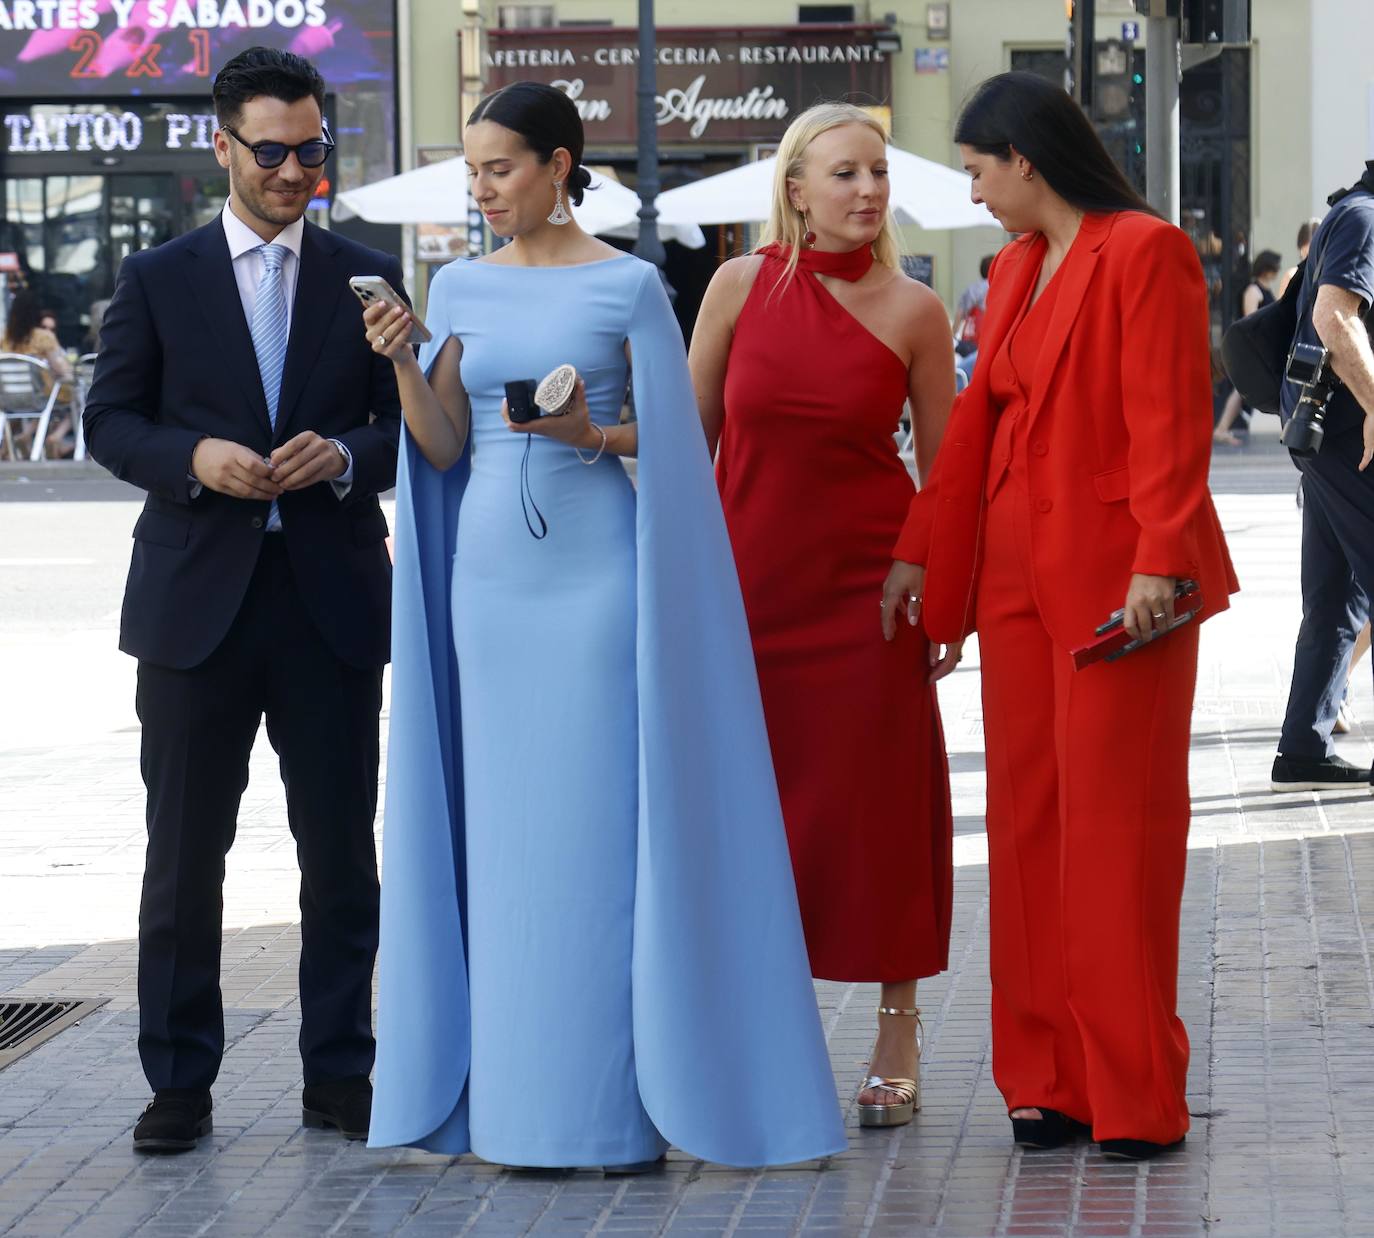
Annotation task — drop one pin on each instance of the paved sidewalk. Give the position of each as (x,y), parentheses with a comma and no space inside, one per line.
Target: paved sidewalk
(1277,985)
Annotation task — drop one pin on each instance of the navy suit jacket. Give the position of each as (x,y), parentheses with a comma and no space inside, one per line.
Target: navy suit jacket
(176,365)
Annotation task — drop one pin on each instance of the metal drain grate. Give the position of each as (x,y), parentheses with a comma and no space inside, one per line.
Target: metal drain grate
(24,1025)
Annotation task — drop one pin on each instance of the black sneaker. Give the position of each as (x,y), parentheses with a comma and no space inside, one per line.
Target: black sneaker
(175,1120)
(1331,774)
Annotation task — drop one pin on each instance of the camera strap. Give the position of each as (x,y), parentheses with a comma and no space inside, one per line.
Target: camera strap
(527,503)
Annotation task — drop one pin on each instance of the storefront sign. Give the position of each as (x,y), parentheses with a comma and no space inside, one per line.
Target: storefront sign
(39,133)
(58,48)
(53,130)
(734,85)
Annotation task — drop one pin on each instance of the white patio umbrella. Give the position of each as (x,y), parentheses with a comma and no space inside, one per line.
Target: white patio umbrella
(437,193)
(923,192)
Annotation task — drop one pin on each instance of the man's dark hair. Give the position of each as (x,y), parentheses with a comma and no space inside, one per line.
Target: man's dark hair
(264,71)
(1044,124)
(985,265)
(1267,262)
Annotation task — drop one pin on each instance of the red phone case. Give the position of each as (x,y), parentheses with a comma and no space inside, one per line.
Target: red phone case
(1100,648)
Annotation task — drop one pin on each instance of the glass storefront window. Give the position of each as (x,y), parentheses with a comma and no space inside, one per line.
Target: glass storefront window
(23,228)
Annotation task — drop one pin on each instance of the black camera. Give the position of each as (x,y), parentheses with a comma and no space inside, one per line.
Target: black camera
(1309,366)
(520,401)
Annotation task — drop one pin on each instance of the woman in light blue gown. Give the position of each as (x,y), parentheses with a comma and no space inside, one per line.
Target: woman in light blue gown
(590,939)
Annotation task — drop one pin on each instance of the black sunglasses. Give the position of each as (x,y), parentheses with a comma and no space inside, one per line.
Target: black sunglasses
(311,154)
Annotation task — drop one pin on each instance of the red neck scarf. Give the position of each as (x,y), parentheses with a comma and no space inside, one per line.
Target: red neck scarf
(851,266)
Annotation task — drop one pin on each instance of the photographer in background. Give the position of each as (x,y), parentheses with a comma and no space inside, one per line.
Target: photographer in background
(1328,414)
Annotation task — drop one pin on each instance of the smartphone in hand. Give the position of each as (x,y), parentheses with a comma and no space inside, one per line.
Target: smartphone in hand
(373,290)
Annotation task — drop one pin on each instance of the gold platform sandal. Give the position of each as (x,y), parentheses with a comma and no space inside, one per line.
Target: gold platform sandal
(907,1091)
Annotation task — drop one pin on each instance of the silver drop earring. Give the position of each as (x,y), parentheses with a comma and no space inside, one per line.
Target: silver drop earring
(560,214)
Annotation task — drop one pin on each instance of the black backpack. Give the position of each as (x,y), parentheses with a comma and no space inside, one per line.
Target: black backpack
(1254,350)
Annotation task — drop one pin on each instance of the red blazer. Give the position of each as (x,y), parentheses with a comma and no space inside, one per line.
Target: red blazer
(1119,436)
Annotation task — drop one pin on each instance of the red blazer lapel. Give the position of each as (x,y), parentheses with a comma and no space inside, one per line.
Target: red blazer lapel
(1075,279)
(1017,268)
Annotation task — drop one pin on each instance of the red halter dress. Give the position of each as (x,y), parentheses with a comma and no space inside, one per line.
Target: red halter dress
(815,495)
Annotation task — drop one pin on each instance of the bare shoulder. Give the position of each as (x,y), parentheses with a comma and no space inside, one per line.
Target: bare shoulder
(918,303)
(730,286)
(737,275)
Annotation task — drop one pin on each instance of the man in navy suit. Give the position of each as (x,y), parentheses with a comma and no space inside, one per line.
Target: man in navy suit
(235,385)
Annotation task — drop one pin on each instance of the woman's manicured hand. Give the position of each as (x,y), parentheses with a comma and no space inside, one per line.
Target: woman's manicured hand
(943,662)
(574,427)
(902,594)
(1149,605)
(388,331)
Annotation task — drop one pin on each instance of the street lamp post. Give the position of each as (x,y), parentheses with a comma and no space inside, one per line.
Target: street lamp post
(1163,71)
(649,246)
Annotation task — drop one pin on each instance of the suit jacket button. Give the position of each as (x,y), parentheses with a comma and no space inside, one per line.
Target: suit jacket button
(257,522)
(1043,505)
(1039,448)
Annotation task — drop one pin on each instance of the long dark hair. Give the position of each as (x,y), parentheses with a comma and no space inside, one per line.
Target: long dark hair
(546,119)
(24,318)
(1045,125)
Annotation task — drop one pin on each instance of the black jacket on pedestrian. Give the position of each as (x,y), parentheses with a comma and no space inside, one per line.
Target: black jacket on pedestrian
(177,365)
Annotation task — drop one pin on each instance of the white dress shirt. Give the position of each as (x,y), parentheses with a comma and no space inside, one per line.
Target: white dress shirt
(245,252)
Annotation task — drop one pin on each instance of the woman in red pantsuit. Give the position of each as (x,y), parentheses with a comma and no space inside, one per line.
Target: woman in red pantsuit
(1072,481)
(803,355)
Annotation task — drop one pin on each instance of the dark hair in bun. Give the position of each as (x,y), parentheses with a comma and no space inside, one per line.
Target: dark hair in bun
(545,118)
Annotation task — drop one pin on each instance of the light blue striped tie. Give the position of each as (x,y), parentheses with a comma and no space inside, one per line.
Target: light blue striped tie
(269,339)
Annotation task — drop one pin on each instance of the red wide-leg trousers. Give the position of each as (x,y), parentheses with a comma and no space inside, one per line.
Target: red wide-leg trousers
(1087,824)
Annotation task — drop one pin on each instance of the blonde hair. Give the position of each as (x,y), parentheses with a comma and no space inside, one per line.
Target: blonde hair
(786,224)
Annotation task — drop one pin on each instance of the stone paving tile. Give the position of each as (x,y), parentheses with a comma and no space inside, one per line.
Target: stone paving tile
(1276,987)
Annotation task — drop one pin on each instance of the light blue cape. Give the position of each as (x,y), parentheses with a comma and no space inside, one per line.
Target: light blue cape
(731,1059)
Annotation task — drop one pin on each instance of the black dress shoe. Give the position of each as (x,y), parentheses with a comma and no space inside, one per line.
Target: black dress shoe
(174,1121)
(1330,774)
(1051,1129)
(1135,1149)
(344,1104)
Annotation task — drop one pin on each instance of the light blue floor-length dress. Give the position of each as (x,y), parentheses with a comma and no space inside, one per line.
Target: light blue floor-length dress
(580,803)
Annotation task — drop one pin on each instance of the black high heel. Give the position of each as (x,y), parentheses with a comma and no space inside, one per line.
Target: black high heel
(1135,1149)
(1051,1129)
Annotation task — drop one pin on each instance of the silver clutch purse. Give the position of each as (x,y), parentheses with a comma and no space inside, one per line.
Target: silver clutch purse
(555,391)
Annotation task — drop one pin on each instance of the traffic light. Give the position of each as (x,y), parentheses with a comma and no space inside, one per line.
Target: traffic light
(1203,21)
(1079,50)
(1216,21)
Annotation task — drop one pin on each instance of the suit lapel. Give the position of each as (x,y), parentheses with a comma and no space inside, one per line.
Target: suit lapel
(319,284)
(215,290)
(1016,271)
(1074,280)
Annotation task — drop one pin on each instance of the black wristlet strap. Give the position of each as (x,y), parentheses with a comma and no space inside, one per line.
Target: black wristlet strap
(527,502)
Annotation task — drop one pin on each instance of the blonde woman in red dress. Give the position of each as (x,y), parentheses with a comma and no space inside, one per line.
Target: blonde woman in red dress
(803,355)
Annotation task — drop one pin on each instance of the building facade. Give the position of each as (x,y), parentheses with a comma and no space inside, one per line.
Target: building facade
(105,133)
(105,129)
(1268,129)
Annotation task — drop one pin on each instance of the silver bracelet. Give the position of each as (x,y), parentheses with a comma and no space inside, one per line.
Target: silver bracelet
(599,450)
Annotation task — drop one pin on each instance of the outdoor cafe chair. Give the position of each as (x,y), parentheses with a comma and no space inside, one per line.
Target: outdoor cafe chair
(28,392)
(81,387)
